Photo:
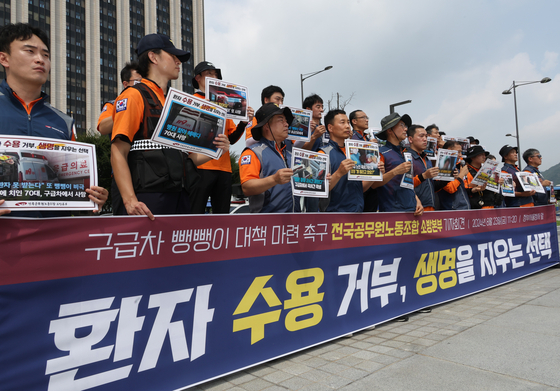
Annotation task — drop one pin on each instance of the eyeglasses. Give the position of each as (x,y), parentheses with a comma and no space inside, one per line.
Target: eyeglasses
(366,117)
(539,156)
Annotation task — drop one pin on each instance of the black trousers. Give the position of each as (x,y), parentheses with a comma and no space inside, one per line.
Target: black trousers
(161,203)
(216,185)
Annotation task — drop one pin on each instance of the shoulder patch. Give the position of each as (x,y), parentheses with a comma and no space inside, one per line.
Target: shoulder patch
(121,105)
(246,159)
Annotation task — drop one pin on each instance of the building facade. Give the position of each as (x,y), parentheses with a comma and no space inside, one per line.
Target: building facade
(91,40)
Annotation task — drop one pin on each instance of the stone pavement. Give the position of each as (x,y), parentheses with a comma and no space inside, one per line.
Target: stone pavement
(506,338)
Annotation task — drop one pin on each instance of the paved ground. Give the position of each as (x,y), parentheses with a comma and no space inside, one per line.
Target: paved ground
(506,338)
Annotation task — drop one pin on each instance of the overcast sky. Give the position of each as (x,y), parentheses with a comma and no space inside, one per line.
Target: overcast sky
(452,58)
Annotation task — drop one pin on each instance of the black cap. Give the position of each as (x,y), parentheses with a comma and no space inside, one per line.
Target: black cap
(473,140)
(205,66)
(506,149)
(160,41)
(265,113)
(390,121)
(476,150)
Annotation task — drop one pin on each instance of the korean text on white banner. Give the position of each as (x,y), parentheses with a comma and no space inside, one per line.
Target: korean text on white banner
(190,124)
(366,156)
(300,128)
(310,173)
(46,174)
(234,98)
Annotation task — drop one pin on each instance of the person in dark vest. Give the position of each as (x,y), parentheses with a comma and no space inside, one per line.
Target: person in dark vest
(533,158)
(522,198)
(151,178)
(264,167)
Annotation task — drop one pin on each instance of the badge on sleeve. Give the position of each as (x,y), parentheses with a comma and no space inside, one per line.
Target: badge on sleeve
(121,105)
(246,159)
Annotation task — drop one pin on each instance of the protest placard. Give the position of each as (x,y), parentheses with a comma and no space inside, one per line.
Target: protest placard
(530,181)
(431,147)
(508,189)
(485,173)
(446,161)
(231,97)
(407,180)
(190,124)
(300,128)
(310,172)
(366,156)
(46,174)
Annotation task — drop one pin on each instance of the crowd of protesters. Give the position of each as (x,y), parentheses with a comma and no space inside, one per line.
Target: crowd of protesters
(150,179)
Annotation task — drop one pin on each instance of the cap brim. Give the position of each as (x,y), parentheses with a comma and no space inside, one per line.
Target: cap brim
(181,54)
(258,127)
(382,135)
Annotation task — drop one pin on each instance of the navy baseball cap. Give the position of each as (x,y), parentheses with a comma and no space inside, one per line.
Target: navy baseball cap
(205,66)
(160,41)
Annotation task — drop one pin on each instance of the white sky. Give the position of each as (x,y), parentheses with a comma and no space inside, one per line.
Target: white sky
(452,58)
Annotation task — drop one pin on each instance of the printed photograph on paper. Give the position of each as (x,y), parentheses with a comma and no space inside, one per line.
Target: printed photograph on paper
(190,124)
(465,145)
(46,174)
(229,96)
(446,161)
(530,181)
(300,128)
(486,173)
(407,180)
(431,148)
(310,173)
(493,183)
(508,187)
(366,156)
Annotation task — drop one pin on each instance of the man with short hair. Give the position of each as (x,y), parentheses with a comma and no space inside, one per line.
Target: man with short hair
(393,197)
(269,94)
(422,166)
(522,198)
(151,178)
(215,175)
(264,167)
(129,76)
(344,195)
(533,158)
(433,131)
(25,111)
(453,194)
(314,103)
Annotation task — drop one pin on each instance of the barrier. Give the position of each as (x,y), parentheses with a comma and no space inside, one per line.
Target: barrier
(127,303)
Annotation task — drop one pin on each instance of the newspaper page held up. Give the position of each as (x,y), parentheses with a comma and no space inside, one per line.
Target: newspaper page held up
(407,180)
(446,161)
(190,124)
(431,148)
(46,174)
(366,156)
(233,98)
(508,187)
(300,128)
(530,181)
(310,173)
(485,173)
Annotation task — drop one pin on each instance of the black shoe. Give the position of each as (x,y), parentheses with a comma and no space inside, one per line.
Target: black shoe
(426,310)
(402,319)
